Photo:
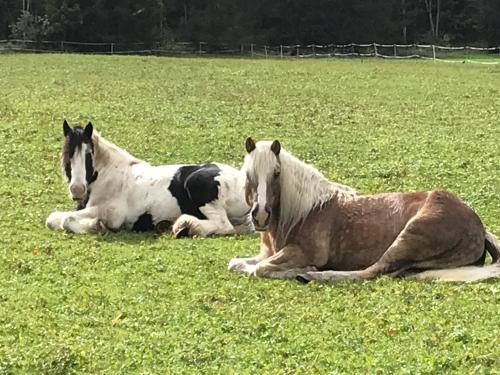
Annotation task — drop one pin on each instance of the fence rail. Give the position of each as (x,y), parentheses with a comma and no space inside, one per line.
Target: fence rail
(483,55)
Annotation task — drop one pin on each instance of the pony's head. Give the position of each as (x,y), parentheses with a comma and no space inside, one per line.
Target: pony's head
(278,184)
(77,159)
(262,190)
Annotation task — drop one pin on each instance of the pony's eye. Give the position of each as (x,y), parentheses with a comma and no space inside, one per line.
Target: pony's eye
(276,174)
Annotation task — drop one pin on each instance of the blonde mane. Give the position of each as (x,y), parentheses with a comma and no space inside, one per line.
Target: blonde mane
(303,187)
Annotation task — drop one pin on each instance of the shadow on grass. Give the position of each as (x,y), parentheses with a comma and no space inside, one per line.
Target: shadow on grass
(151,237)
(129,237)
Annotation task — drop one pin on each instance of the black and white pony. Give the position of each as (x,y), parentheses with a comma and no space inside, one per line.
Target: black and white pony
(115,190)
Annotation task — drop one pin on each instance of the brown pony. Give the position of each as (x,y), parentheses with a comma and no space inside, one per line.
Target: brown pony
(314,229)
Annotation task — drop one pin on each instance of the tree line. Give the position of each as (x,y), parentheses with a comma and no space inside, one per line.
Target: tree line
(452,22)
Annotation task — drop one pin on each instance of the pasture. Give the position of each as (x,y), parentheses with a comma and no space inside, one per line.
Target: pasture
(136,303)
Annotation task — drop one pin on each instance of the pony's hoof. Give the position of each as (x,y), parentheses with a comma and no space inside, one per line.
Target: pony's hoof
(304,278)
(183,232)
(55,220)
(235,265)
(163,226)
(99,226)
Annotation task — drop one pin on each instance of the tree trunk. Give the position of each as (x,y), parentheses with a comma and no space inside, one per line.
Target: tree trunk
(403,14)
(160,4)
(428,6)
(438,12)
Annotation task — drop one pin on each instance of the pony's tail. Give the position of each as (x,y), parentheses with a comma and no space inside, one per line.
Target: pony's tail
(469,273)
(464,274)
(492,245)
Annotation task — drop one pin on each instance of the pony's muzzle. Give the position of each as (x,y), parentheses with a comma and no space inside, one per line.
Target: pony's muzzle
(77,191)
(261,218)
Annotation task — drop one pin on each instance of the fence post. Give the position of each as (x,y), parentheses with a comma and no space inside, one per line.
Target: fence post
(298,52)
(242,49)
(199,50)
(375,49)
(265,50)
(314,50)
(112,48)
(251,49)
(281,50)
(395,53)
(62,45)
(433,52)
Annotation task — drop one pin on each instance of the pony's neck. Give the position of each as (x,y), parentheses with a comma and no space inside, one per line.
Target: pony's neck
(107,153)
(303,188)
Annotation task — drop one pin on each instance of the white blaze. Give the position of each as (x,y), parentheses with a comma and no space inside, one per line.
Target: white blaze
(262,215)
(262,193)
(78,175)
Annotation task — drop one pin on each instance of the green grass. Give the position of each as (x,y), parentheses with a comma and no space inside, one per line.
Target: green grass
(468,57)
(133,303)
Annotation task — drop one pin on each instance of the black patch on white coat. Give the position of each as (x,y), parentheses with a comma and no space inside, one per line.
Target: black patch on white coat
(144,223)
(194,186)
(90,173)
(81,204)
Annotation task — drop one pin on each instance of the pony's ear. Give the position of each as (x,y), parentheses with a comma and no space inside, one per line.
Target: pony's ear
(276,148)
(250,145)
(87,132)
(66,128)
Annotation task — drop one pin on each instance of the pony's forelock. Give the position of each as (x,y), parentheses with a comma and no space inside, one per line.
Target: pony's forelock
(260,159)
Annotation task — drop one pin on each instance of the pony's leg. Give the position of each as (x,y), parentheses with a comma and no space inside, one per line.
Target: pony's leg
(82,225)
(247,265)
(183,225)
(287,263)
(55,220)
(216,223)
(82,221)
(398,258)
(113,214)
(329,276)
(90,219)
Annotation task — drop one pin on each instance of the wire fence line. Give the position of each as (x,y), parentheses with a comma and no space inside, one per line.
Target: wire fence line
(481,55)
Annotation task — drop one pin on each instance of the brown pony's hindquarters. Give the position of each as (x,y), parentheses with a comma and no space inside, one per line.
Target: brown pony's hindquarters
(428,241)
(444,273)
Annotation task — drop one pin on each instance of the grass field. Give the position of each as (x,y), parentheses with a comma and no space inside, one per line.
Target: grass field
(134,303)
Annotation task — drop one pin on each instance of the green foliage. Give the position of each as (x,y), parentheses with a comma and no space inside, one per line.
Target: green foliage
(30,27)
(136,303)
(264,22)
(65,18)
